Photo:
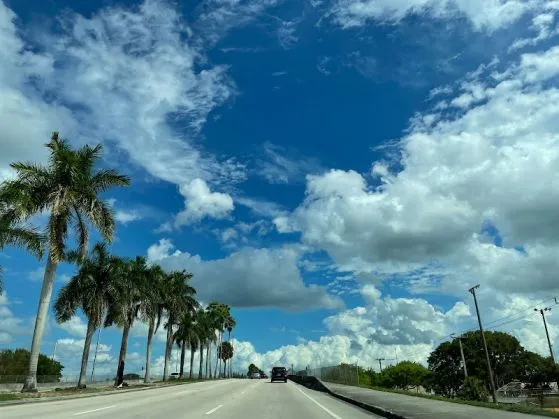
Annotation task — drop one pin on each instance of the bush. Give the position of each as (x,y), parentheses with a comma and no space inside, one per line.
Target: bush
(473,389)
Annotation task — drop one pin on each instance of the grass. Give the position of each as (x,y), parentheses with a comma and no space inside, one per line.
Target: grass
(510,407)
(4,397)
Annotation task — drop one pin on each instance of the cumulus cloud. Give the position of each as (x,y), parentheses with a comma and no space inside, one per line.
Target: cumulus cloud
(493,162)
(75,326)
(10,324)
(246,278)
(482,14)
(128,73)
(201,202)
(69,353)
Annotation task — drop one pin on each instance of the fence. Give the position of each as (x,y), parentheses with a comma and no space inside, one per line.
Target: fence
(341,374)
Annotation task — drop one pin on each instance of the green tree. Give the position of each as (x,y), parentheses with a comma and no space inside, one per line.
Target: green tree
(178,300)
(445,364)
(68,189)
(252,369)
(225,353)
(537,370)
(16,233)
(15,364)
(473,389)
(403,375)
(93,290)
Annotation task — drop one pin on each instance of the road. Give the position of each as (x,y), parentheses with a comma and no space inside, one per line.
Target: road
(231,399)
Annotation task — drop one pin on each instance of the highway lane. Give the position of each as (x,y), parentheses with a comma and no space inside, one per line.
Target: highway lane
(231,399)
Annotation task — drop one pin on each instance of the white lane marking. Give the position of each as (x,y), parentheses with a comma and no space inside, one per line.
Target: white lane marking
(214,409)
(94,410)
(319,405)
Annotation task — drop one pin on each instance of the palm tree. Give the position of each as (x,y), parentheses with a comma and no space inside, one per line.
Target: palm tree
(203,331)
(152,309)
(15,233)
(219,314)
(230,324)
(179,299)
(225,352)
(186,334)
(68,189)
(93,290)
(133,275)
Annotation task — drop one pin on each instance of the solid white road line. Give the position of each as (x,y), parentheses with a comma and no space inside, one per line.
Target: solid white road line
(214,409)
(94,410)
(319,405)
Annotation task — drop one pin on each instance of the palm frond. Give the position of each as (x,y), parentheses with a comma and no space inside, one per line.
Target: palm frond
(82,232)
(101,216)
(105,179)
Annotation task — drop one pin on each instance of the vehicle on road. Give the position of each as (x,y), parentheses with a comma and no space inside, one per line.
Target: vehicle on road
(174,376)
(279,374)
(255,375)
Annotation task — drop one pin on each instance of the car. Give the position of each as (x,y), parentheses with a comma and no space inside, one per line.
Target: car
(279,374)
(254,375)
(174,376)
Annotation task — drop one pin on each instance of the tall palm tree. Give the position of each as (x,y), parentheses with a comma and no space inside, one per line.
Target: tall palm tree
(219,313)
(179,299)
(230,324)
(68,189)
(92,289)
(203,332)
(152,309)
(186,334)
(131,285)
(225,352)
(15,233)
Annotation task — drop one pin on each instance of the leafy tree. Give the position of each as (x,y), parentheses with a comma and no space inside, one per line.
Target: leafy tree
(505,353)
(252,369)
(94,290)
(473,389)
(178,300)
(403,375)
(225,353)
(68,189)
(15,363)
(537,370)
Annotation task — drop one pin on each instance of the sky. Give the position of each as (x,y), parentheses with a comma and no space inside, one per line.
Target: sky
(340,172)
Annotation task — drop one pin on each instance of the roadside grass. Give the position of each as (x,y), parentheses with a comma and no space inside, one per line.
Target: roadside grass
(4,397)
(510,407)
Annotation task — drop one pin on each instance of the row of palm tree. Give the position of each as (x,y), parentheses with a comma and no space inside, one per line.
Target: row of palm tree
(108,289)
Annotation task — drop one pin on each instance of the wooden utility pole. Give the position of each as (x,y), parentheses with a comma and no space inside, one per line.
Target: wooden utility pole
(491,381)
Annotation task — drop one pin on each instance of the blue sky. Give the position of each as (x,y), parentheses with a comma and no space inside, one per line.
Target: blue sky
(339,171)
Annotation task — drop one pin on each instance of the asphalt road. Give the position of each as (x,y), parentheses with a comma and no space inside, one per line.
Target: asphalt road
(231,399)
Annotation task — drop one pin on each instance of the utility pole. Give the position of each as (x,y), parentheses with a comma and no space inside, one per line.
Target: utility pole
(542,312)
(54,352)
(491,381)
(380,363)
(357,366)
(95,357)
(461,354)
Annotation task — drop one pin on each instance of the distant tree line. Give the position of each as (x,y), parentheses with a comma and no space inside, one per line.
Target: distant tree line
(13,367)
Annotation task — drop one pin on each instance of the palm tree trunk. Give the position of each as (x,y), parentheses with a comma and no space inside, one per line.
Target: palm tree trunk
(183,354)
(85,355)
(122,355)
(191,360)
(208,351)
(201,361)
(224,367)
(168,347)
(216,358)
(30,385)
(151,327)
(231,362)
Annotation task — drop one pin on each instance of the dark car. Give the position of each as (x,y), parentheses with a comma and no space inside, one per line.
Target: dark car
(279,374)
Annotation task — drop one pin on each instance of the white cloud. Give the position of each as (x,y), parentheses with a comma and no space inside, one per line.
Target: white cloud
(483,14)
(201,202)
(69,353)
(75,326)
(246,278)
(132,76)
(493,162)
(10,325)
(280,166)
